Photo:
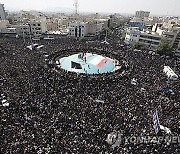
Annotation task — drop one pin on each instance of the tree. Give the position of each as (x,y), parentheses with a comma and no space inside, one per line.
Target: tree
(165,48)
(135,45)
(123,35)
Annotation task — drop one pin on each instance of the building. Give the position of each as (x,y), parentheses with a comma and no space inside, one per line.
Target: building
(176,43)
(104,23)
(148,39)
(22,29)
(156,27)
(82,29)
(170,36)
(3,24)
(2,12)
(93,28)
(132,35)
(140,25)
(114,20)
(142,14)
(52,25)
(63,22)
(9,31)
(34,27)
(38,27)
(169,31)
(78,29)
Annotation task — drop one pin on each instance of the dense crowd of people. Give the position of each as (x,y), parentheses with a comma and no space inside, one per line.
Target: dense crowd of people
(51,111)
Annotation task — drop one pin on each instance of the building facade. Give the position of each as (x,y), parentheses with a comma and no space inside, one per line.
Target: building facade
(52,25)
(2,12)
(82,29)
(78,29)
(38,27)
(176,43)
(3,24)
(132,35)
(150,40)
(142,14)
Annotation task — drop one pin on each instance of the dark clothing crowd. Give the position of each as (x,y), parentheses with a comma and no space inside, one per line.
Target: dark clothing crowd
(54,111)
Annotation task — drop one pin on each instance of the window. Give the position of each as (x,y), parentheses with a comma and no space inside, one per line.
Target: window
(156,43)
(156,38)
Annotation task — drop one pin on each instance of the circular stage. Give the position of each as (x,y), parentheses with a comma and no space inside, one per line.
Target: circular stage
(88,63)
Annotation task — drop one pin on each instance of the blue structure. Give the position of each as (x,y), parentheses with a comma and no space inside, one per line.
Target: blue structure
(87,63)
(140,25)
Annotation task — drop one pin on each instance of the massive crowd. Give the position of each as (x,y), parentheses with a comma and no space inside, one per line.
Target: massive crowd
(49,111)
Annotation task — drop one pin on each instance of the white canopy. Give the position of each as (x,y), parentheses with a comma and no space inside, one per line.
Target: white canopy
(170,73)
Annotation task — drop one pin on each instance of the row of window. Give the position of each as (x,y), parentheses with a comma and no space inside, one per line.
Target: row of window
(150,37)
(78,26)
(73,34)
(72,30)
(169,36)
(150,42)
(37,28)
(36,24)
(27,33)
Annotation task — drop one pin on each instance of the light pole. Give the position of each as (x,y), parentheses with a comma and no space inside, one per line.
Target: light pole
(106,36)
(24,38)
(30,31)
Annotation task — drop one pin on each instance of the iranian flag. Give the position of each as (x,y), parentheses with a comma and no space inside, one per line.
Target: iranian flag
(99,61)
